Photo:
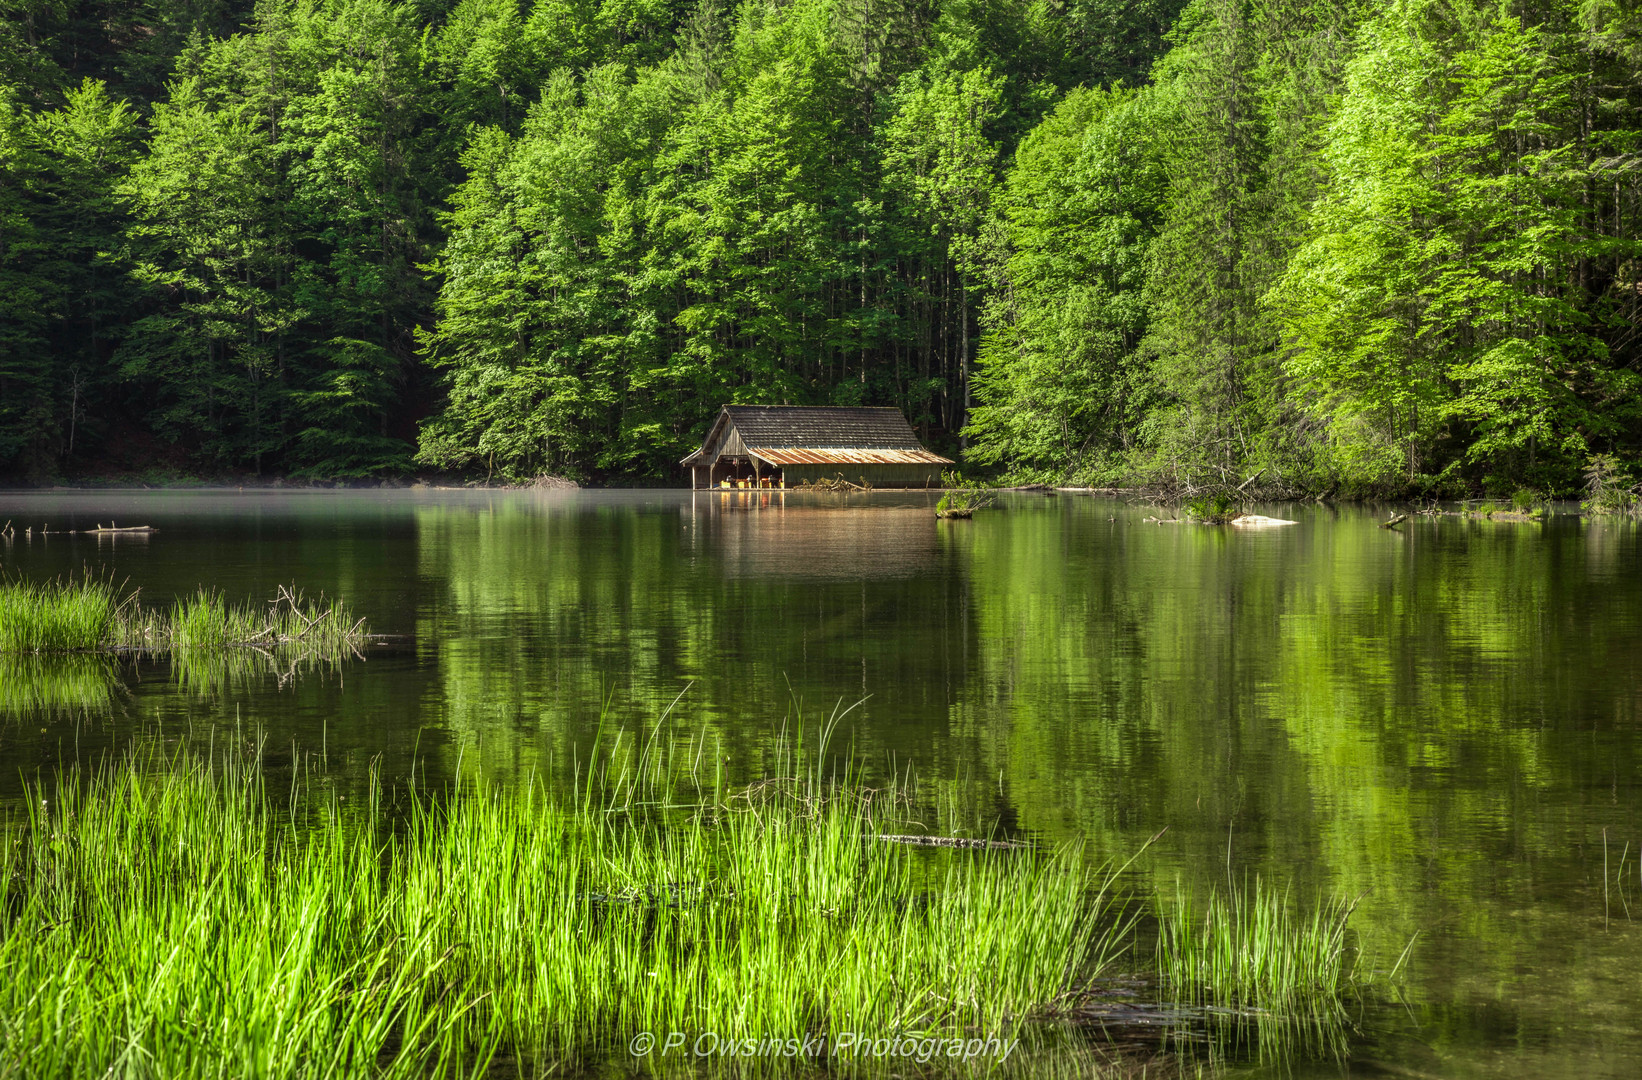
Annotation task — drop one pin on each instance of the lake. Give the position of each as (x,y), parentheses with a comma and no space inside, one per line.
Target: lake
(1445,718)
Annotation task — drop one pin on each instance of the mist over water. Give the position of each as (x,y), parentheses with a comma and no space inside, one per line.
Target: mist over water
(1444,718)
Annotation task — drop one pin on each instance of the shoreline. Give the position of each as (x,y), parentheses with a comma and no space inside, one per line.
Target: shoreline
(1162,494)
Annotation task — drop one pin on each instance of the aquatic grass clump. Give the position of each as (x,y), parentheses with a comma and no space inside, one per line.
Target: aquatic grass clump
(177,918)
(90,614)
(1250,946)
(206,620)
(61,616)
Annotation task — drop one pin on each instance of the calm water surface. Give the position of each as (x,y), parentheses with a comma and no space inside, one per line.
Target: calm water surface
(1446,718)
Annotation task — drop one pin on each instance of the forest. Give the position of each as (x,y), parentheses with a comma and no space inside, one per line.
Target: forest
(1357,247)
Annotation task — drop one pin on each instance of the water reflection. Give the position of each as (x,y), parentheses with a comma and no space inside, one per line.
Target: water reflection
(34,685)
(760,534)
(1445,718)
(91,683)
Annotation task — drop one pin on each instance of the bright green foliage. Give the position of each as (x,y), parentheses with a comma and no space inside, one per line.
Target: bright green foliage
(787,210)
(277,228)
(495,55)
(1242,94)
(1397,248)
(1459,279)
(534,319)
(209,351)
(1341,244)
(1061,385)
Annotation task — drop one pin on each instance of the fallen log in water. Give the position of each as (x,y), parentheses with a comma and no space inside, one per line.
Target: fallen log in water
(113,528)
(949,841)
(100,530)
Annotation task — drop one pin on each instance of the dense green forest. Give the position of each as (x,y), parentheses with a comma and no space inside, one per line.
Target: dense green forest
(1359,246)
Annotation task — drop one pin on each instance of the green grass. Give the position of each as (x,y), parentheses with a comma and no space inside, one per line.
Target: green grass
(182,920)
(86,615)
(178,917)
(1251,946)
(57,617)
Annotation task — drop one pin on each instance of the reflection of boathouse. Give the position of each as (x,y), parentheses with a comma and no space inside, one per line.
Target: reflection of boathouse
(784,445)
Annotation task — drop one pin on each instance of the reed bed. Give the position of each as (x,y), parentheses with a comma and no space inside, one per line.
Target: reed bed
(182,920)
(92,615)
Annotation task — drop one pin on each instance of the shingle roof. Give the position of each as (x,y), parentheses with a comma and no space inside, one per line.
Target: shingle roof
(836,435)
(831,428)
(806,455)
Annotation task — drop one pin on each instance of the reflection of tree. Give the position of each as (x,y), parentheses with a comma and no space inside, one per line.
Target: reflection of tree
(551,613)
(1425,718)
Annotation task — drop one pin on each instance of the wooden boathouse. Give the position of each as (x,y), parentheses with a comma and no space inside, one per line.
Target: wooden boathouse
(785,445)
